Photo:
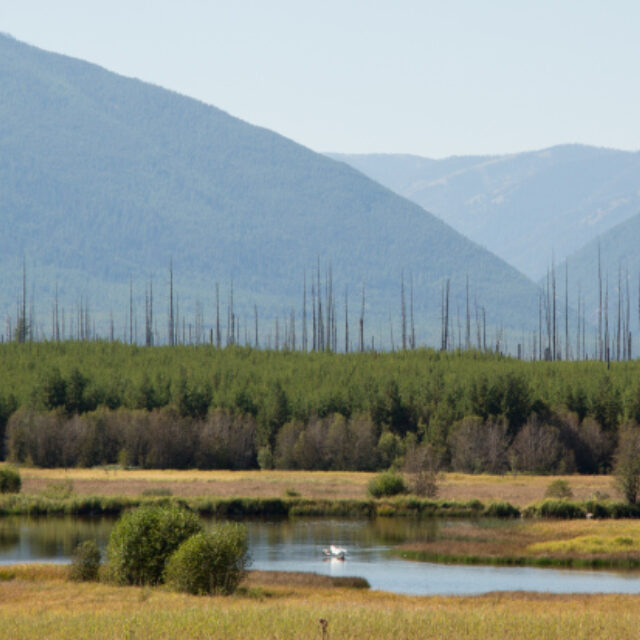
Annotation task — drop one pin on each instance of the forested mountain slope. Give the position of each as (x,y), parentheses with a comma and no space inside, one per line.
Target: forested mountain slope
(523,207)
(104,179)
(619,262)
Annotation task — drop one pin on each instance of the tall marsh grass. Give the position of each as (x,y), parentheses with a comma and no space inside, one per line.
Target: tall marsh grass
(60,610)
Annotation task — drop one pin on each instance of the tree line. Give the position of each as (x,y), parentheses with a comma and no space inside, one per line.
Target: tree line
(87,404)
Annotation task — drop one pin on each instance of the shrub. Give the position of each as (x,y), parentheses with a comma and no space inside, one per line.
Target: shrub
(265,458)
(387,484)
(212,562)
(558,489)
(552,508)
(422,465)
(143,539)
(627,463)
(10,480)
(85,562)
(501,510)
(58,489)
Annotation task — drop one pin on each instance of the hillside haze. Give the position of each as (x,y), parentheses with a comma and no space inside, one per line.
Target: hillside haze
(523,207)
(105,178)
(619,259)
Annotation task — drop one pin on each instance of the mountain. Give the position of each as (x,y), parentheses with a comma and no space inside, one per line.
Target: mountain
(523,207)
(619,257)
(104,179)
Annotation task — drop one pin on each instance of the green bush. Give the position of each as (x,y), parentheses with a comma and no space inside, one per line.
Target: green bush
(387,484)
(85,562)
(551,508)
(501,510)
(143,539)
(212,562)
(558,489)
(10,481)
(624,510)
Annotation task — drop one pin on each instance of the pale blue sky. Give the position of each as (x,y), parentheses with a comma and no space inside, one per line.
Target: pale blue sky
(434,78)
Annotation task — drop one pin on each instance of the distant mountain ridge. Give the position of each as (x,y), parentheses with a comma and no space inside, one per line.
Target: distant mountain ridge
(523,207)
(105,178)
(619,258)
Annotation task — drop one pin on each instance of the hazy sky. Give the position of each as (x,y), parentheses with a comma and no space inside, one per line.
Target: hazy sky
(434,78)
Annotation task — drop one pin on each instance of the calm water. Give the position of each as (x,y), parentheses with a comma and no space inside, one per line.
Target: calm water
(295,545)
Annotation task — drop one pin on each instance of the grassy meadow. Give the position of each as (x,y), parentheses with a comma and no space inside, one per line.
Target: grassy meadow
(569,543)
(519,490)
(38,602)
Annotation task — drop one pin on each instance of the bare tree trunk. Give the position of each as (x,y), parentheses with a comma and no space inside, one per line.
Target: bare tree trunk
(484,329)
(346,320)
(232,315)
(600,351)
(606,321)
(566,312)
(628,317)
(218,334)
(445,317)
(553,284)
(57,338)
(413,327)
(304,313)
(362,321)
(315,322)
(478,328)
(578,351)
(403,313)
(619,315)
(467,337)
(320,315)
(255,320)
(171,318)
(539,327)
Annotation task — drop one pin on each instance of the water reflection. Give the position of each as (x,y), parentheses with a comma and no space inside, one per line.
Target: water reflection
(26,539)
(296,545)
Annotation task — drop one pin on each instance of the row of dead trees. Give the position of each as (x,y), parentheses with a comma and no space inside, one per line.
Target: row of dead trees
(317,326)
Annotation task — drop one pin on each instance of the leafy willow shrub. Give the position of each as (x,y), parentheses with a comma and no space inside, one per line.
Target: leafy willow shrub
(211,562)
(501,509)
(553,508)
(85,562)
(143,539)
(387,484)
(558,489)
(10,480)
(624,510)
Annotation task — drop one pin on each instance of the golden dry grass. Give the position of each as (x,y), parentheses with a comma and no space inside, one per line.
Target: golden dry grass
(52,608)
(579,539)
(193,483)
(519,490)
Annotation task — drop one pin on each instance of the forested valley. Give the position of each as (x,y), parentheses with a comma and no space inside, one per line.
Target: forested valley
(71,404)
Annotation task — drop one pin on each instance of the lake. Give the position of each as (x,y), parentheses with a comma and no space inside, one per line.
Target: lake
(296,545)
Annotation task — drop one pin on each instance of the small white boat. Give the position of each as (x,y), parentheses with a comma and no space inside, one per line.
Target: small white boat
(332,551)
